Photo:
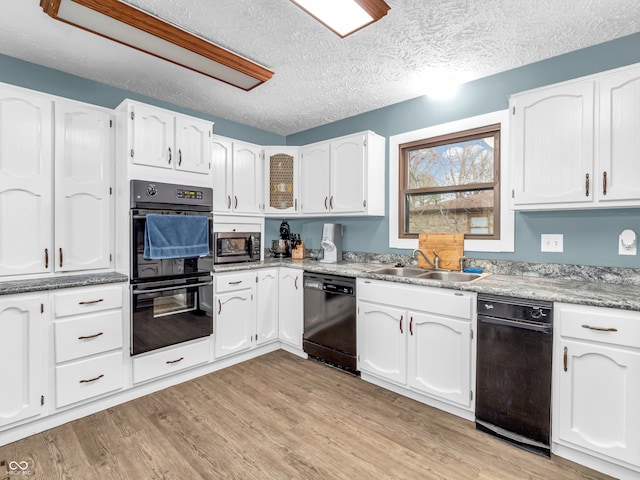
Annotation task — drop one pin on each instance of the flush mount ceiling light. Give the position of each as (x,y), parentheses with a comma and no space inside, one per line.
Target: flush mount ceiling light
(344,16)
(131,26)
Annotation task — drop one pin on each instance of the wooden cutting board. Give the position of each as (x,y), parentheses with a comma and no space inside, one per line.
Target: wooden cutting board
(450,247)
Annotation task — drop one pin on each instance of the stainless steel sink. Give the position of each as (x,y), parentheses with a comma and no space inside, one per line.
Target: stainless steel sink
(442,275)
(451,276)
(400,271)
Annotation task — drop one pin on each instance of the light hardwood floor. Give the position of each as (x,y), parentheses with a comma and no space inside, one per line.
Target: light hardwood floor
(278,417)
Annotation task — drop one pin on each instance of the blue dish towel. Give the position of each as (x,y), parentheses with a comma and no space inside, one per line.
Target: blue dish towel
(176,236)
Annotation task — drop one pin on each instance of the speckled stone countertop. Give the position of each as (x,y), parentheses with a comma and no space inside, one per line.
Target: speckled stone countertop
(624,295)
(54,283)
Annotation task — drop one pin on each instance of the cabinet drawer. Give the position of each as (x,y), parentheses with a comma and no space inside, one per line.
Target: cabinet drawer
(87,335)
(89,378)
(170,361)
(234,281)
(87,300)
(605,325)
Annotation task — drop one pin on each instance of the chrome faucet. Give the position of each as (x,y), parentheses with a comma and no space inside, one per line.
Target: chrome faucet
(436,259)
(417,250)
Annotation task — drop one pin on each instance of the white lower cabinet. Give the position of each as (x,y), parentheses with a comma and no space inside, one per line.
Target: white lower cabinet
(171,360)
(235,313)
(291,306)
(419,338)
(267,305)
(22,327)
(88,342)
(597,382)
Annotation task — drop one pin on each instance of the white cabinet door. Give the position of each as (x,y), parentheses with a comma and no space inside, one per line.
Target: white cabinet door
(25,183)
(598,398)
(22,355)
(281,165)
(619,139)
(347,174)
(291,306)
(439,357)
(247,178)
(235,322)
(221,153)
(152,136)
(267,306)
(382,342)
(553,145)
(193,140)
(314,178)
(83,187)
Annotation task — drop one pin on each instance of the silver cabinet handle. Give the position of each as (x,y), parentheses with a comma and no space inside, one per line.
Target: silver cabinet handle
(325,203)
(60,250)
(331,202)
(228,201)
(46,258)
(238,282)
(169,362)
(236,202)
(170,155)
(90,302)
(295,283)
(179,157)
(219,306)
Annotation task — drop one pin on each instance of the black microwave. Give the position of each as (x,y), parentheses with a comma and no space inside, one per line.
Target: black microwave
(236,247)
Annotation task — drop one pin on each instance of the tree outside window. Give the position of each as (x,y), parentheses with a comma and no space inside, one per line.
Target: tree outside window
(450,184)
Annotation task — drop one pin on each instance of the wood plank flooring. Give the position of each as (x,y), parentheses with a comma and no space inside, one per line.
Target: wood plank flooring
(278,417)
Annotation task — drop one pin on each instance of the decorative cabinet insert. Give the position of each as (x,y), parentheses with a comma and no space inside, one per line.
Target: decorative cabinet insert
(281,180)
(574,144)
(40,136)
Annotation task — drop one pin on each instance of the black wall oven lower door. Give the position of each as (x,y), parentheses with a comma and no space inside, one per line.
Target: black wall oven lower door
(170,312)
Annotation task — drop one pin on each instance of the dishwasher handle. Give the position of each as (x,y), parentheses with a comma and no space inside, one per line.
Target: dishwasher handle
(542,328)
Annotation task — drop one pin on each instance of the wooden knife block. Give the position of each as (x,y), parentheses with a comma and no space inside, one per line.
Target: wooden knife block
(450,248)
(298,252)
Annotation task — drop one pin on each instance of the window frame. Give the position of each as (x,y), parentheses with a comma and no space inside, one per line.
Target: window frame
(493,130)
(507,217)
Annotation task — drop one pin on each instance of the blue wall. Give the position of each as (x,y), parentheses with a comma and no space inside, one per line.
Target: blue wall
(590,237)
(55,82)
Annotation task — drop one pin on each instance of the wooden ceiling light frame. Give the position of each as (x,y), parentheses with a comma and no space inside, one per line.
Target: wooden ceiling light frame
(128,25)
(376,9)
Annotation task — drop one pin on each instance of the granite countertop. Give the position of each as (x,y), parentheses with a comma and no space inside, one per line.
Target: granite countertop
(600,294)
(13,287)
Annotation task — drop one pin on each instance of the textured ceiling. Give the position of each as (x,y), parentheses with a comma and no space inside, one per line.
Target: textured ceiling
(320,78)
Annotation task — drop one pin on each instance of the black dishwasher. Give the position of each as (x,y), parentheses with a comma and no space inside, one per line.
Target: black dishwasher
(513,370)
(330,319)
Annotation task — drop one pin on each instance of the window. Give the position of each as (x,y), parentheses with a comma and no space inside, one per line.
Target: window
(477,238)
(450,183)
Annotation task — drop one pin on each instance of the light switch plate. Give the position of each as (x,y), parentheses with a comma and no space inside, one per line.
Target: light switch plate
(552,242)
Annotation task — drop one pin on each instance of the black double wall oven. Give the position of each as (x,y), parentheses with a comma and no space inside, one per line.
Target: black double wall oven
(171,264)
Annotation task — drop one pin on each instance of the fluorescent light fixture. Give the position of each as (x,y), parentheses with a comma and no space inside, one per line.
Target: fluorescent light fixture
(344,16)
(131,26)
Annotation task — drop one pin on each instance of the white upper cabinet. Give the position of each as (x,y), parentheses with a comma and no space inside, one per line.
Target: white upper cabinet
(575,144)
(83,187)
(26,148)
(247,178)
(237,176)
(164,139)
(619,152)
(343,176)
(553,144)
(281,173)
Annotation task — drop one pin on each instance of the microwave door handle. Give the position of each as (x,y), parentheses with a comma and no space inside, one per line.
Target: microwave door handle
(175,287)
(251,240)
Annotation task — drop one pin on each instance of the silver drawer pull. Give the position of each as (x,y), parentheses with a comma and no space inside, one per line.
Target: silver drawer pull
(169,362)
(86,337)
(92,379)
(600,329)
(89,302)
(235,283)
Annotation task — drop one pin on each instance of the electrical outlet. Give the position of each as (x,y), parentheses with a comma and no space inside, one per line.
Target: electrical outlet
(552,242)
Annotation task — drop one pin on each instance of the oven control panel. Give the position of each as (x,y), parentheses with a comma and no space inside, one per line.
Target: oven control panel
(168,195)
(195,194)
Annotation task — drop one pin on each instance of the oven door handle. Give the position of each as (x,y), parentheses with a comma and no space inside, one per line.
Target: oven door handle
(175,287)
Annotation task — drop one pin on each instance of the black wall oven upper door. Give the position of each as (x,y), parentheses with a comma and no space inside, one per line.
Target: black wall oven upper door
(145,269)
